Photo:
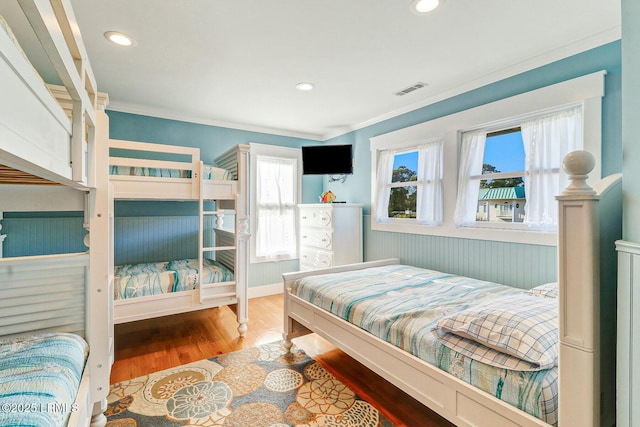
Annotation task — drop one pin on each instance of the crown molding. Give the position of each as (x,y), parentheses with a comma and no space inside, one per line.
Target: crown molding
(174,115)
(602,38)
(546,58)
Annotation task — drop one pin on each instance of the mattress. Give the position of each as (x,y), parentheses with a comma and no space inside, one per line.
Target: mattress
(154,278)
(209,172)
(402,305)
(39,379)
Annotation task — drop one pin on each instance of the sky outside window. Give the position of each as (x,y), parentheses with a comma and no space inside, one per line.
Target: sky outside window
(408,160)
(502,199)
(505,152)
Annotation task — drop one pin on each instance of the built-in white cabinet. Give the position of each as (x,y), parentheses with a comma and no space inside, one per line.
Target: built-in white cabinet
(330,234)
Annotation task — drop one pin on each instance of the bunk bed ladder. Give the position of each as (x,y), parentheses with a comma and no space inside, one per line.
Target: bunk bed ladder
(224,291)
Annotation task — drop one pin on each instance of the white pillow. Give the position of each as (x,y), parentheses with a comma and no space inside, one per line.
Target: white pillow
(547,290)
(517,332)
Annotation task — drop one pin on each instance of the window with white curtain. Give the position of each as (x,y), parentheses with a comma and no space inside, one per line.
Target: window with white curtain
(409,184)
(537,127)
(517,170)
(275,184)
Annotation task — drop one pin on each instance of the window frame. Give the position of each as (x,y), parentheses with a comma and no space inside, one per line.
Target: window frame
(501,175)
(588,90)
(401,184)
(409,147)
(505,125)
(277,152)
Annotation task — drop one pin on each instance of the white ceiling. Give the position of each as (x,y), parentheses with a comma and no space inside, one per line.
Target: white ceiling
(235,63)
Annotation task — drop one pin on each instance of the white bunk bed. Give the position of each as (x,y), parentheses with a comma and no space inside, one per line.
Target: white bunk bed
(51,135)
(54,301)
(230,197)
(36,135)
(589,223)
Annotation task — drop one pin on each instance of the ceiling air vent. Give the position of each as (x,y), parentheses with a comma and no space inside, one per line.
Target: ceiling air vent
(410,89)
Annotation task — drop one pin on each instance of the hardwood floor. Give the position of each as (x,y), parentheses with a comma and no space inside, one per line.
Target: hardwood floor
(155,344)
(152,345)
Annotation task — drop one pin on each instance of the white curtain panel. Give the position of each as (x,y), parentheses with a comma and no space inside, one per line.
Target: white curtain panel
(384,175)
(429,200)
(546,141)
(471,157)
(275,203)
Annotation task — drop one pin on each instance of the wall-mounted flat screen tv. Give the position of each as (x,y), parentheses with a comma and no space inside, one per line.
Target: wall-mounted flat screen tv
(327,159)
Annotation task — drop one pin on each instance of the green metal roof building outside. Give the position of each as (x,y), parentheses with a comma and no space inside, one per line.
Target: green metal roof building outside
(501,193)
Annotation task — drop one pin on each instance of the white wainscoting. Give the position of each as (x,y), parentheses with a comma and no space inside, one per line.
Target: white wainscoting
(628,347)
(265,290)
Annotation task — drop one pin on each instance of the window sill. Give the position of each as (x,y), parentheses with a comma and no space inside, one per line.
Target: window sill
(484,232)
(263,260)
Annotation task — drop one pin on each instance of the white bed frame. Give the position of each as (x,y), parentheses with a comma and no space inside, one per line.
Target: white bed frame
(36,135)
(588,218)
(231,197)
(53,301)
(56,133)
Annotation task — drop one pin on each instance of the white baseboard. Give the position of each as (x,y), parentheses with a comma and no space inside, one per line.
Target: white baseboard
(265,290)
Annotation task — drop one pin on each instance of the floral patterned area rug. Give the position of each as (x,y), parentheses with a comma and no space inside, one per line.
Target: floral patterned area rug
(258,387)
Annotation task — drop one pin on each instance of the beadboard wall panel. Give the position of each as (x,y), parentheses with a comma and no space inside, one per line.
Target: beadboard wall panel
(628,335)
(269,273)
(156,238)
(43,236)
(518,265)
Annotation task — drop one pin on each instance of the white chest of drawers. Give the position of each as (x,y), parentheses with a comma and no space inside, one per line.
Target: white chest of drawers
(330,234)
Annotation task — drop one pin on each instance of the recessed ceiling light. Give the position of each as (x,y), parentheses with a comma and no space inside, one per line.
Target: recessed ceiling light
(305,86)
(425,6)
(119,38)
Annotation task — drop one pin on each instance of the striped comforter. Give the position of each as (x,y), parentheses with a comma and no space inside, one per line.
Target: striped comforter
(39,379)
(209,172)
(402,305)
(154,278)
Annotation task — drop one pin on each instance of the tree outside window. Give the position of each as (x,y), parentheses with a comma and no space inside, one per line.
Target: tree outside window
(409,184)
(404,191)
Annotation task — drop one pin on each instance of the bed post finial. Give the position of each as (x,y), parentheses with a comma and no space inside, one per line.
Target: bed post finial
(579,296)
(577,164)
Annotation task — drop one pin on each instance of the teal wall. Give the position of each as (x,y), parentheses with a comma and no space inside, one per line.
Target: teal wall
(630,116)
(152,238)
(486,260)
(357,188)
(212,141)
(43,233)
(518,265)
(531,264)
